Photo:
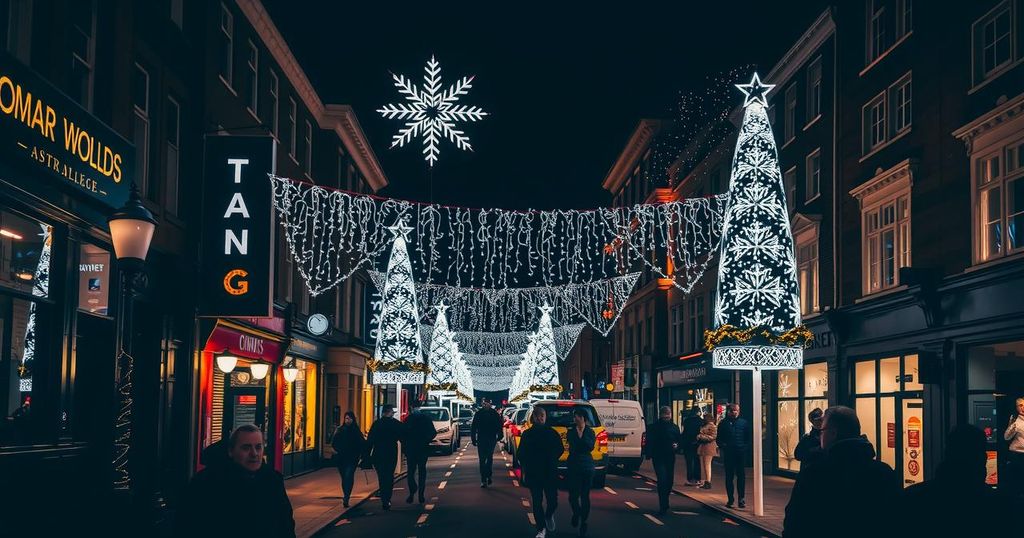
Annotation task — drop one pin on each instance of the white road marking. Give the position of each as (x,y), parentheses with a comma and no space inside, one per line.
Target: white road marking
(643,489)
(682,513)
(610,490)
(452,467)
(513,475)
(446,475)
(654,519)
(442,484)
(508,465)
(631,505)
(429,507)
(515,483)
(422,519)
(526,503)
(529,515)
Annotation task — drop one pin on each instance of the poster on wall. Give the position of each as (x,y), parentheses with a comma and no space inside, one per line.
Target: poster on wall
(238,227)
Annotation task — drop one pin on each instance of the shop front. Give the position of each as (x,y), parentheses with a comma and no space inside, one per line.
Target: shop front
(243,380)
(695,388)
(995,380)
(302,410)
(797,392)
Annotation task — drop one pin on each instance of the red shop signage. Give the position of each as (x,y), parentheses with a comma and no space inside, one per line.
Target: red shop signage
(227,340)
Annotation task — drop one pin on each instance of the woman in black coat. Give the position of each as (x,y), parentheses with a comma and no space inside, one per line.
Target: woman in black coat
(580,463)
(348,443)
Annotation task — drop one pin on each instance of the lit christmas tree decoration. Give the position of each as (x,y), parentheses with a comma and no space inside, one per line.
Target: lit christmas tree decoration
(545,357)
(442,356)
(398,356)
(431,113)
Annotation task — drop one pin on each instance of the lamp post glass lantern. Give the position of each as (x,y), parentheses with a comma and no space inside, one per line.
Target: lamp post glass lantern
(131,232)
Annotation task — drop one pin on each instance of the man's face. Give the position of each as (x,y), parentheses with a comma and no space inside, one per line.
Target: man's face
(666,416)
(817,422)
(734,411)
(248,451)
(1020,408)
(540,418)
(828,435)
(389,413)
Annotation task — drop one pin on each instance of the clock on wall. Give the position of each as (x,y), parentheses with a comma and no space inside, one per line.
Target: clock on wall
(317,324)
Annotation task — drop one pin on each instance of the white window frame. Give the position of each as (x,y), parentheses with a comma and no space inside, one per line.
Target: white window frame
(789,183)
(814,81)
(227,33)
(886,126)
(253,63)
(901,101)
(876,45)
(142,113)
(293,127)
(904,17)
(991,172)
(790,127)
(889,188)
(806,240)
(275,97)
(872,126)
(979,76)
(308,158)
(812,180)
(172,203)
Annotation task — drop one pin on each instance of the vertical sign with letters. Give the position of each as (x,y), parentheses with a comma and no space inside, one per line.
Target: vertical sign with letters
(238,227)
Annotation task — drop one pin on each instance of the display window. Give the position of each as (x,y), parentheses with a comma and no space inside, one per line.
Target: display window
(995,379)
(798,392)
(300,408)
(889,403)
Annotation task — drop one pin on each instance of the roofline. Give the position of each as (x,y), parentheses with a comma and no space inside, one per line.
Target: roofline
(342,119)
(638,142)
(820,30)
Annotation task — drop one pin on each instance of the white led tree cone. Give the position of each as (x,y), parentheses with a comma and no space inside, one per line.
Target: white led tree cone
(398,355)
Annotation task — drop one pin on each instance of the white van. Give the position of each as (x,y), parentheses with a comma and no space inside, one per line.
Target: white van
(627,432)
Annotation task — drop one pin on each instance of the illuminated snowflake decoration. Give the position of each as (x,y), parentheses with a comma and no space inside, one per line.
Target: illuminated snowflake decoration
(431,113)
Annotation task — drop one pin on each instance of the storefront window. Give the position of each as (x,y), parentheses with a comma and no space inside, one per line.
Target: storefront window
(995,379)
(300,409)
(93,279)
(25,368)
(892,416)
(798,391)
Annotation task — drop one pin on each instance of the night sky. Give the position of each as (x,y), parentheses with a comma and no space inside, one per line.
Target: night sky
(565,87)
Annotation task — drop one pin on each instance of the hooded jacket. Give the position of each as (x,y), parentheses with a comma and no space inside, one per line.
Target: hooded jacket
(845,493)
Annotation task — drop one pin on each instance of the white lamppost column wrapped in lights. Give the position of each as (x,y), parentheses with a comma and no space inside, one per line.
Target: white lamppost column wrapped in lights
(757,310)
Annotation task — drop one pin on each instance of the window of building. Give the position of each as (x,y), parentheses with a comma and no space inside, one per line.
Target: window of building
(1000,184)
(140,127)
(813,186)
(16,28)
(172,126)
(877,39)
(677,329)
(799,392)
(904,17)
(994,42)
(93,279)
(252,79)
(178,12)
(790,126)
(226,36)
(697,322)
(292,126)
(885,220)
(789,181)
(300,406)
(899,100)
(82,38)
(807,269)
(307,160)
(874,123)
(274,100)
(814,90)
(888,396)
(887,115)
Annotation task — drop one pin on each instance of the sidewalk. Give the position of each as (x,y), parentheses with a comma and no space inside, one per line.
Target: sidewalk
(316,497)
(776,495)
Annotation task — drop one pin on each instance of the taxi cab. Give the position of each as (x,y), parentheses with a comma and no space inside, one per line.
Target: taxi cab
(559,417)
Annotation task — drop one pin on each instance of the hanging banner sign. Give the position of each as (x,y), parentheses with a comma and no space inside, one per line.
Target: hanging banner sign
(43,128)
(238,227)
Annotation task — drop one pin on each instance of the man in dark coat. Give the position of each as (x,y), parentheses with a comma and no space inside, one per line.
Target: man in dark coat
(734,441)
(809,450)
(847,492)
(419,432)
(228,485)
(688,442)
(484,432)
(958,489)
(540,447)
(662,442)
(382,451)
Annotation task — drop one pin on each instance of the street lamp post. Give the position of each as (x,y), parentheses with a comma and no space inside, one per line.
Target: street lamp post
(131,231)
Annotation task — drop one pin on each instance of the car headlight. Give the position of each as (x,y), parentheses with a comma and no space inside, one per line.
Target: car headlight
(443,430)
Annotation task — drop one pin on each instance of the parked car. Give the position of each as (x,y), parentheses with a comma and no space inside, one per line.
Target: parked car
(447,438)
(513,431)
(465,421)
(559,417)
(627,432)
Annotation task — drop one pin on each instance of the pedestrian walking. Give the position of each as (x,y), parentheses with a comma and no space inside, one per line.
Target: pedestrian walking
(1015,451)
(540,447)
(662,442)
(419,432)
(234,476)
(847,492)
(484,432)
(958,488)
(580,468)
(688,441)
(809,450)
(348,443)
(707,449)
(734,441)
(382,451)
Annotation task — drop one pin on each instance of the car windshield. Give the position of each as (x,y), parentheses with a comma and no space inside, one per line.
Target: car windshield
(466,413)
(520,416)
(561,415)
(436,415)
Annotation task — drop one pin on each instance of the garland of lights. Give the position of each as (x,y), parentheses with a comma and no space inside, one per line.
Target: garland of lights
(729,335)
(506,344)
(398,355)
(503,310)
(123,423)
(331,234)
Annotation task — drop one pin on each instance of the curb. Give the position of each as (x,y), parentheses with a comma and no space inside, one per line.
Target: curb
(330,524)
(746,519)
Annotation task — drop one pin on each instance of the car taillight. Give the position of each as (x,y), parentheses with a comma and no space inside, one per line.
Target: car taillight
(514,429)
(602,438)
(643,440)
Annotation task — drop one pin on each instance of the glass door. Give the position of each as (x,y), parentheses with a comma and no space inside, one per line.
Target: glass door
(913,441)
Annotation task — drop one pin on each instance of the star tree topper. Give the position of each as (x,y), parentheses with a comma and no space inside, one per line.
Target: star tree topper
(755,91)
(430,112)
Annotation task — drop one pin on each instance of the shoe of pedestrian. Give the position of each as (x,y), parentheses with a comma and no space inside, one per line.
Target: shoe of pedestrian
(728,504)
(662,511)
(489,481)
(743,503)
(344,502)
(483,484)
(387,506)
(408,500)
(542,533)
(422,499)
(583,529)
(707,485)
(549,523)
(575,520)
